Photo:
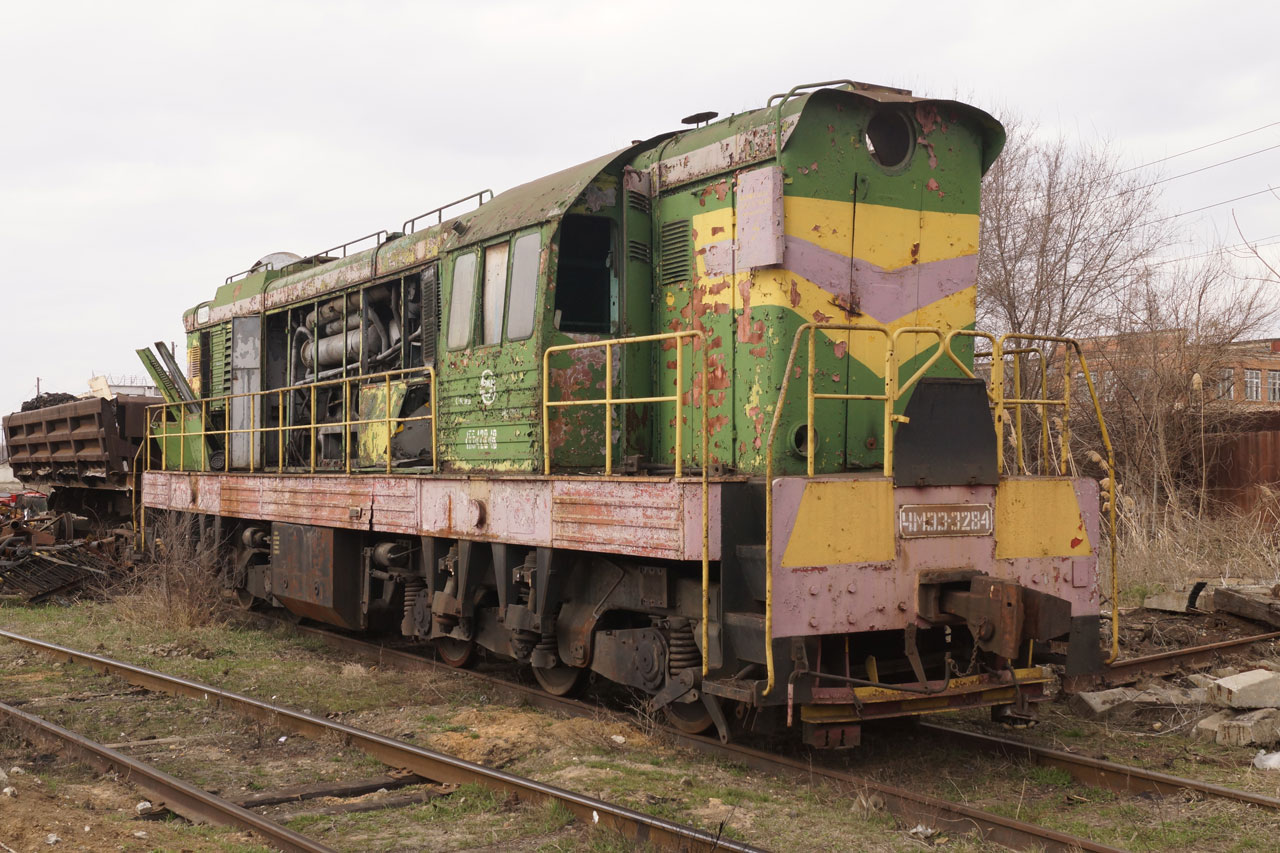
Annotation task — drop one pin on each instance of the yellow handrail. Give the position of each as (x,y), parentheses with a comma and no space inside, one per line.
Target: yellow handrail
(1073,345)
(894,390)
(609,401)
(157,428)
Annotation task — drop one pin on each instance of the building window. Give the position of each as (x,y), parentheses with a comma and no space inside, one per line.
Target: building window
(1273,386)
(1252,384)
(1227,384)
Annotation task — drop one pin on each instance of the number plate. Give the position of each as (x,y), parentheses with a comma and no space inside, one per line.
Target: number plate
(915,520)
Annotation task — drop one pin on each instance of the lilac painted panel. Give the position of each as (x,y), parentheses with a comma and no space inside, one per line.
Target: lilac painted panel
(851,597)
(758,202)
(516,511)
(833,599)
(644,518)
(625,516)
(209,498)
(692,496)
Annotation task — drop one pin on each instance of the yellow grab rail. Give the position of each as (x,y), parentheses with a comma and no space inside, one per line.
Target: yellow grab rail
(162,415)
(1071,345)
(609,401)
(894,390)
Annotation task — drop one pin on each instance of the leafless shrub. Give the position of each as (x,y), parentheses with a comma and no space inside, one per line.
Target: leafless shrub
(176,581)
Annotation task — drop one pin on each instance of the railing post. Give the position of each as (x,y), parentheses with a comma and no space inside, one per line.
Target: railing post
(435,458)
(810,430)
(997,389)
(608,409)
(312,390)
(387,403)
(280,431)
(546,412)
(182,439)
(679,406)
(1064,436)
(204,425)
(706,520)
(253,423)
(891,397)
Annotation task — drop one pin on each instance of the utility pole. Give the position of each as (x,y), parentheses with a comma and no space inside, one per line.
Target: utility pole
(37,386)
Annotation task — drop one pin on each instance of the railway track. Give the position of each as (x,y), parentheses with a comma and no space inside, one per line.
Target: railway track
(178,796)
(1165,663)
(908,805)
(191,802)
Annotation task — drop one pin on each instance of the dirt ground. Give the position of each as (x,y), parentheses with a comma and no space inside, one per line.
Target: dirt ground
(627,762)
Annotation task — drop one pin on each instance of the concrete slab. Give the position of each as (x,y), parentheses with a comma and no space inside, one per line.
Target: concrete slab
(1170,695)
(1172,602)
(1104,703)
(1199,679)
(1260,727)
(1257,688)
(1207,729)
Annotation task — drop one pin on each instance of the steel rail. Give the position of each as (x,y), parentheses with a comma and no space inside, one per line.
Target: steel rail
(181,797)
(1163,663)
(1121,778)
(635,826)
(910,806)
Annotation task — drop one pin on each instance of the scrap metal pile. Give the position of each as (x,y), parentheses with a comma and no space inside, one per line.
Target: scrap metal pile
(50,554)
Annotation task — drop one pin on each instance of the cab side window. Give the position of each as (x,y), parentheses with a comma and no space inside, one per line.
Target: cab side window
(495,291)
(462,301)
(524,287)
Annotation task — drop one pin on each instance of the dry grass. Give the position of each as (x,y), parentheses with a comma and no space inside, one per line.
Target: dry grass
(1170,547)
(176,581)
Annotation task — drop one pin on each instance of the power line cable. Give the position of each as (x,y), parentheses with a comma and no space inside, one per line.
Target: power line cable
(1198,148)
(1192,172)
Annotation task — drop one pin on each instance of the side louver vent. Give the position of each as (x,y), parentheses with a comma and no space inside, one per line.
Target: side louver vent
(677,251)
(431,313)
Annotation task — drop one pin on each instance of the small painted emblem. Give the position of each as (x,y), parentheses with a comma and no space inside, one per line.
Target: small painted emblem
(488,387)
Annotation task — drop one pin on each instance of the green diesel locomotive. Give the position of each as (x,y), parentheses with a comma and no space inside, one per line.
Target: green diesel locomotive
(700,416)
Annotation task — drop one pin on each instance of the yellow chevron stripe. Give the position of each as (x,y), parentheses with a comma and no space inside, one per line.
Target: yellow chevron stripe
(884,235)
(773,287)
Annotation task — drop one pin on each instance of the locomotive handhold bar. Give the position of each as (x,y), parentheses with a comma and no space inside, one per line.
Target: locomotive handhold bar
(678,399)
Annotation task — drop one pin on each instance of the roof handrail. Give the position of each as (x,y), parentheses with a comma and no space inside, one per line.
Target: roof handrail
(409,224)
(250,271)
(326,255)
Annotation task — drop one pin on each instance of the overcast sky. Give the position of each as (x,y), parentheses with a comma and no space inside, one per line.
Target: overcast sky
(148,150)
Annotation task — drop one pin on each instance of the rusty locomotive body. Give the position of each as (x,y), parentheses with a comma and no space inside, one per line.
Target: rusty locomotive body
(700,416)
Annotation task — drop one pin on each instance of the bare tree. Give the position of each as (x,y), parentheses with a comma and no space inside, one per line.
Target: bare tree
(1070,246)
(1173,324)
(1064,230)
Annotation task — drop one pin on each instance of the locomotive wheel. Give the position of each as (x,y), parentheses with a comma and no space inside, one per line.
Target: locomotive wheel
(692,718)
(559,680)
(458,654)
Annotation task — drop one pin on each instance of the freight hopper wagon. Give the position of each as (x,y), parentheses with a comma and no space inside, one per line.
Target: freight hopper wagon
(700,416)
(82,453)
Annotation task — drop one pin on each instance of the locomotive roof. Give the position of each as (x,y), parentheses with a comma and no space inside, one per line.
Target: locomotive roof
(548,198)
